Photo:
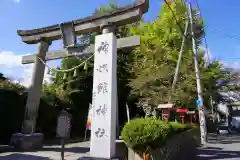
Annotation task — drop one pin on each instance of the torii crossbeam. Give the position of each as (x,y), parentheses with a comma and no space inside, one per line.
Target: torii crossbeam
(122,43)
(119,17)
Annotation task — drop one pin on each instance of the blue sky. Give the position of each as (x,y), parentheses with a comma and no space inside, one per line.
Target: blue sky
(221,20)
(223,34)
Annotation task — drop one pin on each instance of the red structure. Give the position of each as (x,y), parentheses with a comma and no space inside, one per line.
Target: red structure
(185,113)
(166,110)
(182,113)
(192,115)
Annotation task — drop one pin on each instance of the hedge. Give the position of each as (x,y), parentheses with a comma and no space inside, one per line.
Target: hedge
(145,133)
(150,133)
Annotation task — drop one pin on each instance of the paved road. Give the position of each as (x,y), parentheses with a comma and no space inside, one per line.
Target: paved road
(220,147)
(72,152)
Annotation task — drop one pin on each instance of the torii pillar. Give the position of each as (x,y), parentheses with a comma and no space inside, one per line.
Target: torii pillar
(34,90)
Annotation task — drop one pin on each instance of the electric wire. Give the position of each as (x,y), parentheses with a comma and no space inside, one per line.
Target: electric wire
(223,34)
(174,16)
(204,33)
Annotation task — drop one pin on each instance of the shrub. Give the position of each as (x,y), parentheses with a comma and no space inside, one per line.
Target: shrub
(145,133)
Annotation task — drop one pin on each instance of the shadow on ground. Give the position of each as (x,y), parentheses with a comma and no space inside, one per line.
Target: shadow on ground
(212,153)
(71,149)
(4,149)
(224,139)
(57,141)
(17,156)
(22,156)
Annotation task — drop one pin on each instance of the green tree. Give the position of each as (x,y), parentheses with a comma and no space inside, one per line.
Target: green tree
(5,83)
(155,61)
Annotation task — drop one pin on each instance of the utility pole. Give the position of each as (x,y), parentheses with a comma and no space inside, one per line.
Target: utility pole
(179,59)
(208,62)
(212,105)
(199,90)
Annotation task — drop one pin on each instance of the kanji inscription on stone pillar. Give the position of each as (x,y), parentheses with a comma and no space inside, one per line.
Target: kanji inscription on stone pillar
(103,133)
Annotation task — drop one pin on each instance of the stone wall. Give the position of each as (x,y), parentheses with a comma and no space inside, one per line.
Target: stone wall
(180,147)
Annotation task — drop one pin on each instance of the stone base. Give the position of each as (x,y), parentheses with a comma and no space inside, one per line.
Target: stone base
(121,152)
(24,142)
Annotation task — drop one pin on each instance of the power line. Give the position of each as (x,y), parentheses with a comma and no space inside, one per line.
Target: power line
(174,16)
(226,35)
(204,33)
(214,30)
(234,58)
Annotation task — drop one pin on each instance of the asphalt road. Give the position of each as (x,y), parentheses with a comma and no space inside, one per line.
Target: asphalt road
(220,147)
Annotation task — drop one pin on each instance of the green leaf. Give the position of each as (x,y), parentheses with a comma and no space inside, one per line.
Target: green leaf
(64,76)
(75,74)
(85,66)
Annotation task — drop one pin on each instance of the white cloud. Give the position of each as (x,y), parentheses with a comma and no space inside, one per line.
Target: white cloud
(232,64)
(235,64)
(208,54)
(10,66)
(16,1)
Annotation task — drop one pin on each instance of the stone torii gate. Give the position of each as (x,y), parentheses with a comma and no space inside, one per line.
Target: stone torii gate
(103,133)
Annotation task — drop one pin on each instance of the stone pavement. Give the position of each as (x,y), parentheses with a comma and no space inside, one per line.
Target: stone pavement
(72,152)
(220,147)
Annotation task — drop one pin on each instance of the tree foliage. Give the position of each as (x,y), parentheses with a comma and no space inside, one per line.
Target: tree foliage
(145,74)
(155,62)
(6,84)
(156,58)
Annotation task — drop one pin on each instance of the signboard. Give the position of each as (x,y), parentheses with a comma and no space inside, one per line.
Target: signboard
(160,106)
(84,40)
(64,125)
(198,102)
(191,112)
(182,110)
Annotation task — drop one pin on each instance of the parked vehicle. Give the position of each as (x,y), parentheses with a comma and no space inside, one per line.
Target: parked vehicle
(223,128)
(236,124)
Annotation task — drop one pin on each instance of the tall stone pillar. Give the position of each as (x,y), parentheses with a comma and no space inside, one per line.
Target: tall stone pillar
(103,131)
(34,91)
(28,139)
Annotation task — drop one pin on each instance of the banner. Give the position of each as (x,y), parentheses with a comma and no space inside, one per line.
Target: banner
(90,117)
